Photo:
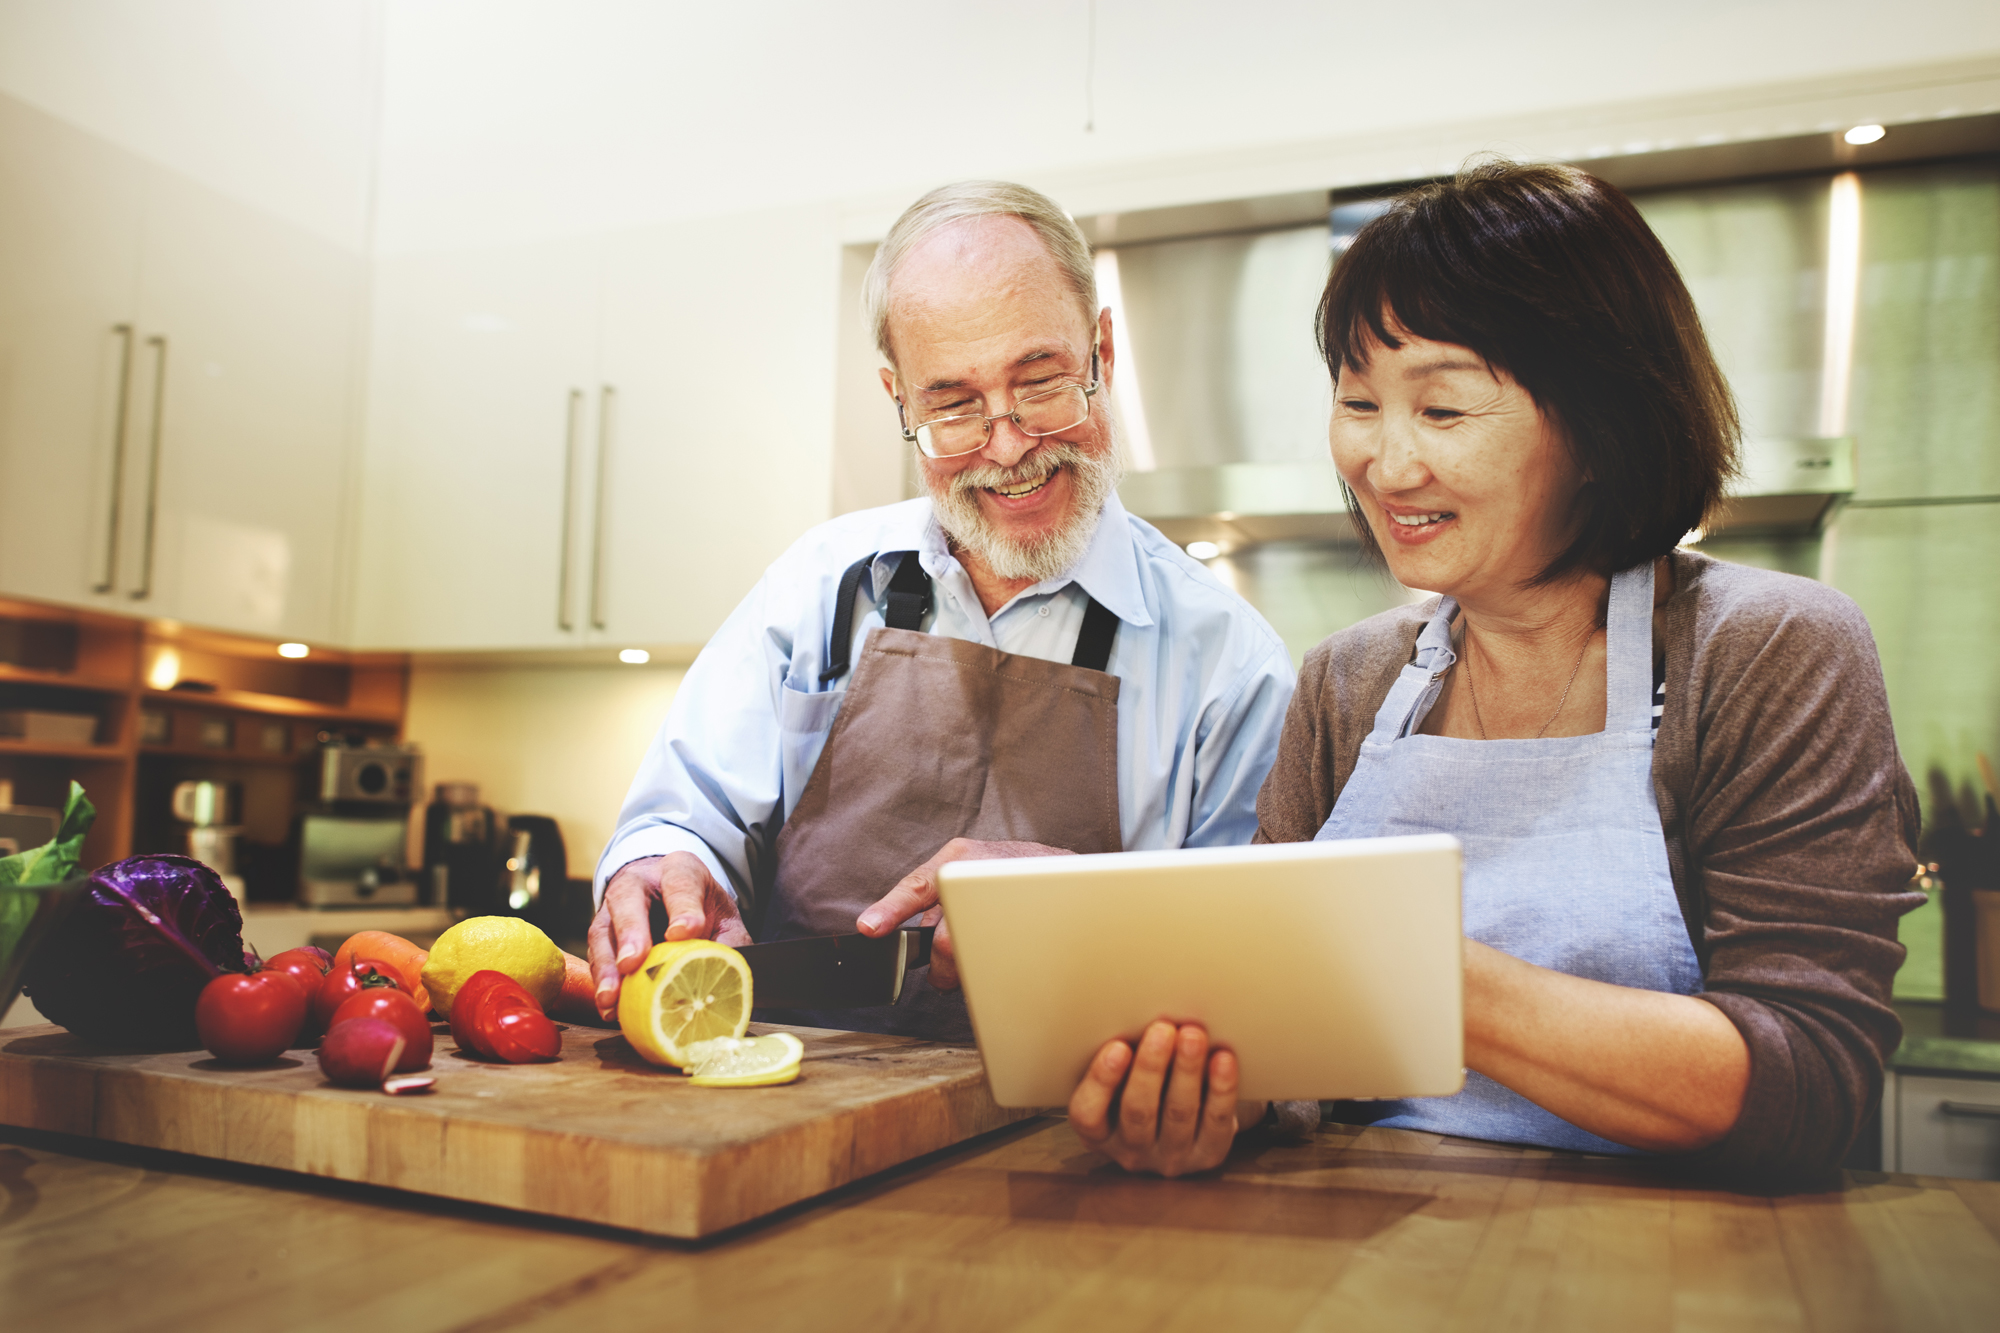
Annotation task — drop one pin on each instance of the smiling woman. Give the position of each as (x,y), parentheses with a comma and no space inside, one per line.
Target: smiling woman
(1686,829)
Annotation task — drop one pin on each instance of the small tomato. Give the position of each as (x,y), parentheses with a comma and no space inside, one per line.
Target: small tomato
(249,1019)
(343,982)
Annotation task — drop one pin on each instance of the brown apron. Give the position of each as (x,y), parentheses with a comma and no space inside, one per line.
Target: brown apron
(940,738)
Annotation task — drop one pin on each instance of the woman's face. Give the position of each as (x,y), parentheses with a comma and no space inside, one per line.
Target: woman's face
(1466,486)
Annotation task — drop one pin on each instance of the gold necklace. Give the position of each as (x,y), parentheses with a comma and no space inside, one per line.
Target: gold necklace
(1466,662)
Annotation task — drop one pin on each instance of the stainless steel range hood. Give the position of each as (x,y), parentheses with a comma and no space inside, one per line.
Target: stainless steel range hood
(1788,487)
(1225,400)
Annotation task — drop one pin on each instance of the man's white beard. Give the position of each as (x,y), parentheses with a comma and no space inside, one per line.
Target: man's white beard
(1093,477)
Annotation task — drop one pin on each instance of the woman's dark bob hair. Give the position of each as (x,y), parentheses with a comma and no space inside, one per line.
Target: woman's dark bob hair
(1552,276)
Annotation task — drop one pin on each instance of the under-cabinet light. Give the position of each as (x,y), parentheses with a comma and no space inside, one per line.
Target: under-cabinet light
(1864,134)
(1203,550)
(293,650)
(634,656)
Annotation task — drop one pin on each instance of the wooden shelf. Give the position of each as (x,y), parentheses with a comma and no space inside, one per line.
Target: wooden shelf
(275,705)
(222,756)
(60,750)
(67,680)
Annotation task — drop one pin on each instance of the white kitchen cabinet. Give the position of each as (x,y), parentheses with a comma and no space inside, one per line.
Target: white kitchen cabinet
(254,322)
(717,348)
(69,277)
(673,404)
(481,430)
(176,435)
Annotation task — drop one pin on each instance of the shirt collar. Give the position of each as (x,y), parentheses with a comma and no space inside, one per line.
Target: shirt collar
(1108,570)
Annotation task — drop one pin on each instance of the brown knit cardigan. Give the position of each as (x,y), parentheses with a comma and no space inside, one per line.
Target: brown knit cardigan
(1790,824)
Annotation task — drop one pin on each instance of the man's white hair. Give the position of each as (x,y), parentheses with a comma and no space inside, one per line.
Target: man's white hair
(978,199)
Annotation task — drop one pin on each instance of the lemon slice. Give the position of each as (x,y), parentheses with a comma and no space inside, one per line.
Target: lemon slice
(745,1062)
(685,992)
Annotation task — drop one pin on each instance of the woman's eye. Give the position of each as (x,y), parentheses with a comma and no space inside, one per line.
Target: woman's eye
(1442,413)
(1357,405)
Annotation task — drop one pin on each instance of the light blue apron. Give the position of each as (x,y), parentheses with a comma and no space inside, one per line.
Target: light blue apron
(1565,861)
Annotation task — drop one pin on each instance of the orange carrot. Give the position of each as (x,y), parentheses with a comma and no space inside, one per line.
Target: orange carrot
(578,1001)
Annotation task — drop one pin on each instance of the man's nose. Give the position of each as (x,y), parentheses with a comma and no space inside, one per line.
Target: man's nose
(1007,444)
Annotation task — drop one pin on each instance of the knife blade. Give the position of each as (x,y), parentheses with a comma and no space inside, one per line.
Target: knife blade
(835,971)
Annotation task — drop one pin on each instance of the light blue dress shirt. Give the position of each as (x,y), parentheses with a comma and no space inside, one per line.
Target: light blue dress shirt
(1204,686)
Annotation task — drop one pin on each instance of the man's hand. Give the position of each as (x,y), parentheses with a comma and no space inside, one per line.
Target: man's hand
(1148,1111)
(918,892)
(621,933)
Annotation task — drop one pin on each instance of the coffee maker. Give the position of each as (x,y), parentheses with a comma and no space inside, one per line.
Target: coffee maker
(461,849)
(353,840)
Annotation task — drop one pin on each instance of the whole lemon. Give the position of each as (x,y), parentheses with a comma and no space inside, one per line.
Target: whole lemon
(503,944)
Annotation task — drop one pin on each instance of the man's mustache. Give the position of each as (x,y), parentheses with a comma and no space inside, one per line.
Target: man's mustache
(1037,466)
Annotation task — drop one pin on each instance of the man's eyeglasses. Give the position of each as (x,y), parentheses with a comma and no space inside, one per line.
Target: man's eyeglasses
(1050,412)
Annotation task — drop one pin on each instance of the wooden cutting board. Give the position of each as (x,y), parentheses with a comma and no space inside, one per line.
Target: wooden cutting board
(600,1135)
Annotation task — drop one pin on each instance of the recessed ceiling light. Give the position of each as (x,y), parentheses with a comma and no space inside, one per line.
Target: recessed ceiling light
(293,650)
(1203,550)
(634,656)
(1864,134)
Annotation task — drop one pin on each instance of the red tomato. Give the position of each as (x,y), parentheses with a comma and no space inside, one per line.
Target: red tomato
(494,1016)
(249,1019)
(518,1032)
(341,983)
(466,1004)
(304,965)
(400,1012)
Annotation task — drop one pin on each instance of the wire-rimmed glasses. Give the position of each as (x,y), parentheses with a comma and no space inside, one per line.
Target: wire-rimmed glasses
(1050,412)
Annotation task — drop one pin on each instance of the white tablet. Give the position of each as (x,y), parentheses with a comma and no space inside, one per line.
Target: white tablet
(1332,969)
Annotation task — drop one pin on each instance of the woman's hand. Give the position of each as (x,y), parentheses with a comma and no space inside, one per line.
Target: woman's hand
(1149,1111)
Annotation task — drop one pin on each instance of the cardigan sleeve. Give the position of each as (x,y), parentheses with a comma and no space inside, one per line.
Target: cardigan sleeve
(1799,825)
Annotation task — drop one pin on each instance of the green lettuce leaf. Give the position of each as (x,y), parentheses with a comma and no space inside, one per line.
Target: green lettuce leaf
(51,863)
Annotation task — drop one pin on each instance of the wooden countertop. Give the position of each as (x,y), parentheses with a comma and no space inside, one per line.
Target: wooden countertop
(1360,1228)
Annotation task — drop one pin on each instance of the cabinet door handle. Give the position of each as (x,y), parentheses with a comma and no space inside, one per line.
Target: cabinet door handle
(158,343)
(124,334)
(564,620)
(606,396)
(1969,1110)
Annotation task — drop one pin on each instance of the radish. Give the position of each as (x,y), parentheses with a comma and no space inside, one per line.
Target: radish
(360,1052)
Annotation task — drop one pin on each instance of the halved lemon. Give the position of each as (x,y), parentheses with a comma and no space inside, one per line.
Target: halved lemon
(685,992)
(745,1062)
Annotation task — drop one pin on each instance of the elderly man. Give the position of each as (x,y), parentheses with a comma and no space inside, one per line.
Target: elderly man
(1014,666)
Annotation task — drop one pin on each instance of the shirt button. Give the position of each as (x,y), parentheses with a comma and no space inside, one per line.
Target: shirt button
(1045,610)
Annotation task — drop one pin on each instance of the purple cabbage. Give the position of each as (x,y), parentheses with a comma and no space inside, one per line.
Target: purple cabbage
(125,965)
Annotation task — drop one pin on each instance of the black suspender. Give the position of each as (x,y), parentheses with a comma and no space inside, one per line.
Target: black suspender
(909,600)
(1093,641)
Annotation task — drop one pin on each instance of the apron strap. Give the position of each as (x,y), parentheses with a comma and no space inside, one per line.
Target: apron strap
(1093,641)
(910,601)
(909,594)
(841,642)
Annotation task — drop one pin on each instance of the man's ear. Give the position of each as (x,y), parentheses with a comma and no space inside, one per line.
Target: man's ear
(888,381)
(1107,353)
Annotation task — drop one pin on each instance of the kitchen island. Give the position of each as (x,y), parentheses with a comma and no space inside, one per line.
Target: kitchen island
(1358,1228)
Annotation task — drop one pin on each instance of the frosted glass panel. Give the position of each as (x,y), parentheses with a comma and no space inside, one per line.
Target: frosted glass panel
(1926,398)
(1754,256)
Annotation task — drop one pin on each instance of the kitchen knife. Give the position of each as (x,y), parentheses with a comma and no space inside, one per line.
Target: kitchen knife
(835,971)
